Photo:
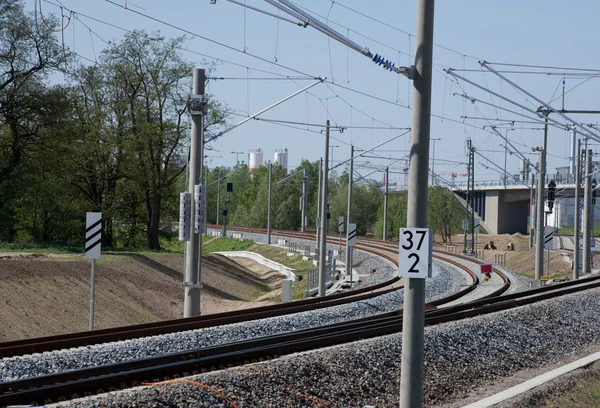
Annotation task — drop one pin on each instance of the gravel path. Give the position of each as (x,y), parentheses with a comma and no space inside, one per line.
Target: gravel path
(459,358)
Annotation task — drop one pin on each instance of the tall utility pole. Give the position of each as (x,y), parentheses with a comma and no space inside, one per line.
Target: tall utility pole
(539,236)
(470,198)
(193,272)
(413,324)
(304,201)
(349,216)
(218,195)
(577,220)
(531,211)
(269,203)
(323,243)
(385,203)
(432,163)
(587,212)
(318,227)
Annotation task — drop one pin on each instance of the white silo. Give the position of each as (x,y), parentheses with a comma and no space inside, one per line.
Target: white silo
(255,159)
(281,157)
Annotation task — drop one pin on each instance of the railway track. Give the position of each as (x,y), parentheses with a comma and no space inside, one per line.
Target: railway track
(78,383)
(66,341)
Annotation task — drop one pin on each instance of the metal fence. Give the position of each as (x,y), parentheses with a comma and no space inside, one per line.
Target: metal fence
(558,178)
(312,281)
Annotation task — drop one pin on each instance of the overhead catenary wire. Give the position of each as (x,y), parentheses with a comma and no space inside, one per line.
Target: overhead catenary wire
(163,22)
(77,13)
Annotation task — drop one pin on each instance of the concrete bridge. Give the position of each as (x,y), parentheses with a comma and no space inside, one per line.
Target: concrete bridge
(505,208)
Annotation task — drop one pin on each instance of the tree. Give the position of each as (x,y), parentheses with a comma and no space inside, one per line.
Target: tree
(443,212)
(151,78)
(28,52)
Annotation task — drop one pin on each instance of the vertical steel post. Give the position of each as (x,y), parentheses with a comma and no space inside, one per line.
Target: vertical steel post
(323,243)
(218,195)
(577,219)
(587,204)
(318,228)
(532,211)
(349,216)
(539,240)
(192,279)
(413,330)
(304,201)
(269,203)
(385,204)
(92,294)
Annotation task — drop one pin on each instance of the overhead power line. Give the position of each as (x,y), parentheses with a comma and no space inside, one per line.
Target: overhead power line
(244,52)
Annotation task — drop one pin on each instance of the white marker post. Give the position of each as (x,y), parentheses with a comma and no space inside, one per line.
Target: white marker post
(477,223)
(415,255)
(341,221)
(93,246)
(548,245)
(350,243)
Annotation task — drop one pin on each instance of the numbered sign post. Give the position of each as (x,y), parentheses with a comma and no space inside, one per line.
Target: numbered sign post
(93,246)
(415,259)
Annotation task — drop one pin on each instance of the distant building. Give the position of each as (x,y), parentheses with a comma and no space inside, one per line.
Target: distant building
(281,157)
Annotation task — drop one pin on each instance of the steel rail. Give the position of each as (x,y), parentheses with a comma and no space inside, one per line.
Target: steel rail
(75,383)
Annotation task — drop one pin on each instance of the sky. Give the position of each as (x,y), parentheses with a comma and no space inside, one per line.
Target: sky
(374,104)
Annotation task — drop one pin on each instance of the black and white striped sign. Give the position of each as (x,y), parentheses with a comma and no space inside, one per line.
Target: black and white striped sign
(351,235)
(93,235)
(548,238)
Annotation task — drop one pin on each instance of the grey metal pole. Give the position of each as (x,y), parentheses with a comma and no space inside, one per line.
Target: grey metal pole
(318,228)
(505,156)
(349,216)
(304,200)
(385,202)
(218,195)
(269,203)
(531,211)
(587,204)
(206,200)
(323,243)
(92,294)
(577,220)
(539,240)
(193,255)
(413,330)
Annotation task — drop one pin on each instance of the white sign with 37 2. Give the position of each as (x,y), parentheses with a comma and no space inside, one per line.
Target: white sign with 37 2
(415,253)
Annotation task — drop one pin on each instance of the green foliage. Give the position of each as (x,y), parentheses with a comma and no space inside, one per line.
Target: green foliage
(444,213)
(396,216)
(113,139)
(226,244)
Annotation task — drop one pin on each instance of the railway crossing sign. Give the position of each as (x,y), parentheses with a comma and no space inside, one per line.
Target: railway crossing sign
(465,225)
(341,223)
(415,256)
(351,235)
(548,238)
(93,235)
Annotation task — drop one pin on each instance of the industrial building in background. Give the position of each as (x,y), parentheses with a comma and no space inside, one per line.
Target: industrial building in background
(281,157)
(255,159)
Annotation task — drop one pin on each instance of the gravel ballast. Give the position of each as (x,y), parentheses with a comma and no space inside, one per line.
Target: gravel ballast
(459,358)
(446,280)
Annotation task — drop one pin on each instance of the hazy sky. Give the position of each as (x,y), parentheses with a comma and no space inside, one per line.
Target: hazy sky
(545,33)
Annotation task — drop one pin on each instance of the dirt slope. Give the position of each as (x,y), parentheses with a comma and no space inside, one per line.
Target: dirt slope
(44,295)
